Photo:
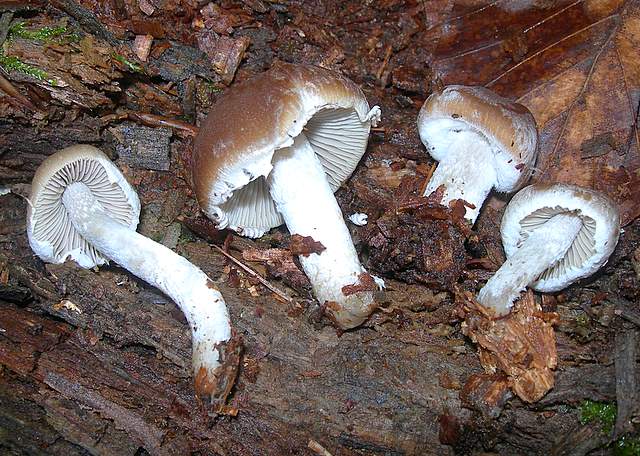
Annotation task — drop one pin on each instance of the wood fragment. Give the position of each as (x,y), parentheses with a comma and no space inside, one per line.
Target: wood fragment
(146,7)
(142,46)
(10,90)
(256,5)
(86,19)
(385,62)
(317,448)
(521,344)
(225,53)
(626,343)
(143,147)
(629,315)
(5,21)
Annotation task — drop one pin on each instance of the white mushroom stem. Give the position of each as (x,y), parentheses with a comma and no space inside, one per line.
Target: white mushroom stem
(544,247)
(187,285)
(299,187)
(466,172)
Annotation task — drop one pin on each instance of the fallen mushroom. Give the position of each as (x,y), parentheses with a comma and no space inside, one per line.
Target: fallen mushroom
(274,149)
(552,235)
(82,208)
(480,140)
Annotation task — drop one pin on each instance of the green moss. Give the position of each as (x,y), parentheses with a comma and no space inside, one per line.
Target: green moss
(11,63)
(601,412)
(627,446)
(186,236)
(130,65)
(44,34)
(605,414)
(582,319)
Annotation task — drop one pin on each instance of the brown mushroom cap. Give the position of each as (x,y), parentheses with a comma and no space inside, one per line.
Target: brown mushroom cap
(508,127)
(249,122)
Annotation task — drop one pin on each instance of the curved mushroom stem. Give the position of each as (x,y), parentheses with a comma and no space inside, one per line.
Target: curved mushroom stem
(466,172)
(215,347)
(299,187)
(544,247)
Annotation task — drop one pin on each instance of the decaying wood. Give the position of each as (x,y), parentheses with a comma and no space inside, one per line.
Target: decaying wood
(96,361)
(627,384)
(142,147)
(521,344)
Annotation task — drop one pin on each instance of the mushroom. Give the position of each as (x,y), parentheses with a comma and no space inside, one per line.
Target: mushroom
(480,140)
(274,149)
(82,208)
(552,235)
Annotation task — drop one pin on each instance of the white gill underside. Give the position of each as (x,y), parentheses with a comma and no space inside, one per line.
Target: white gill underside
(53,224)
(339,140)
(582,248)
(543,248)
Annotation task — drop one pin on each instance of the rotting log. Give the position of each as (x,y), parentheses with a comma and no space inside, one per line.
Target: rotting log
(108,352)
(99,362)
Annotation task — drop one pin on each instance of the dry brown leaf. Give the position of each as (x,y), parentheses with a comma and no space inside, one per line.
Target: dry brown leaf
(280,264)
(575,65)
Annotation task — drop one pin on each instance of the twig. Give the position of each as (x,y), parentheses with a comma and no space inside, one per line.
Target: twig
(427,178)
(385,62)
(9,89)
(152,120)
(253,273)
(319,449)
(5,21)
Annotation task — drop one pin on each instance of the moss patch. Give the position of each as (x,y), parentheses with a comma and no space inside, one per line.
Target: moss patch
(601,412)
(605,414)
(42,34)
(627,446)
(10,63)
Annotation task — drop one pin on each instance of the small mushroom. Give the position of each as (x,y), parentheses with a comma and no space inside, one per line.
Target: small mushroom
(552,235)
(82,208)
(480,140)
(273,150)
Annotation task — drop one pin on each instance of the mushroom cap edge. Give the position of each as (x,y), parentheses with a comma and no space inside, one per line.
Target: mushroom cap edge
(601,221)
